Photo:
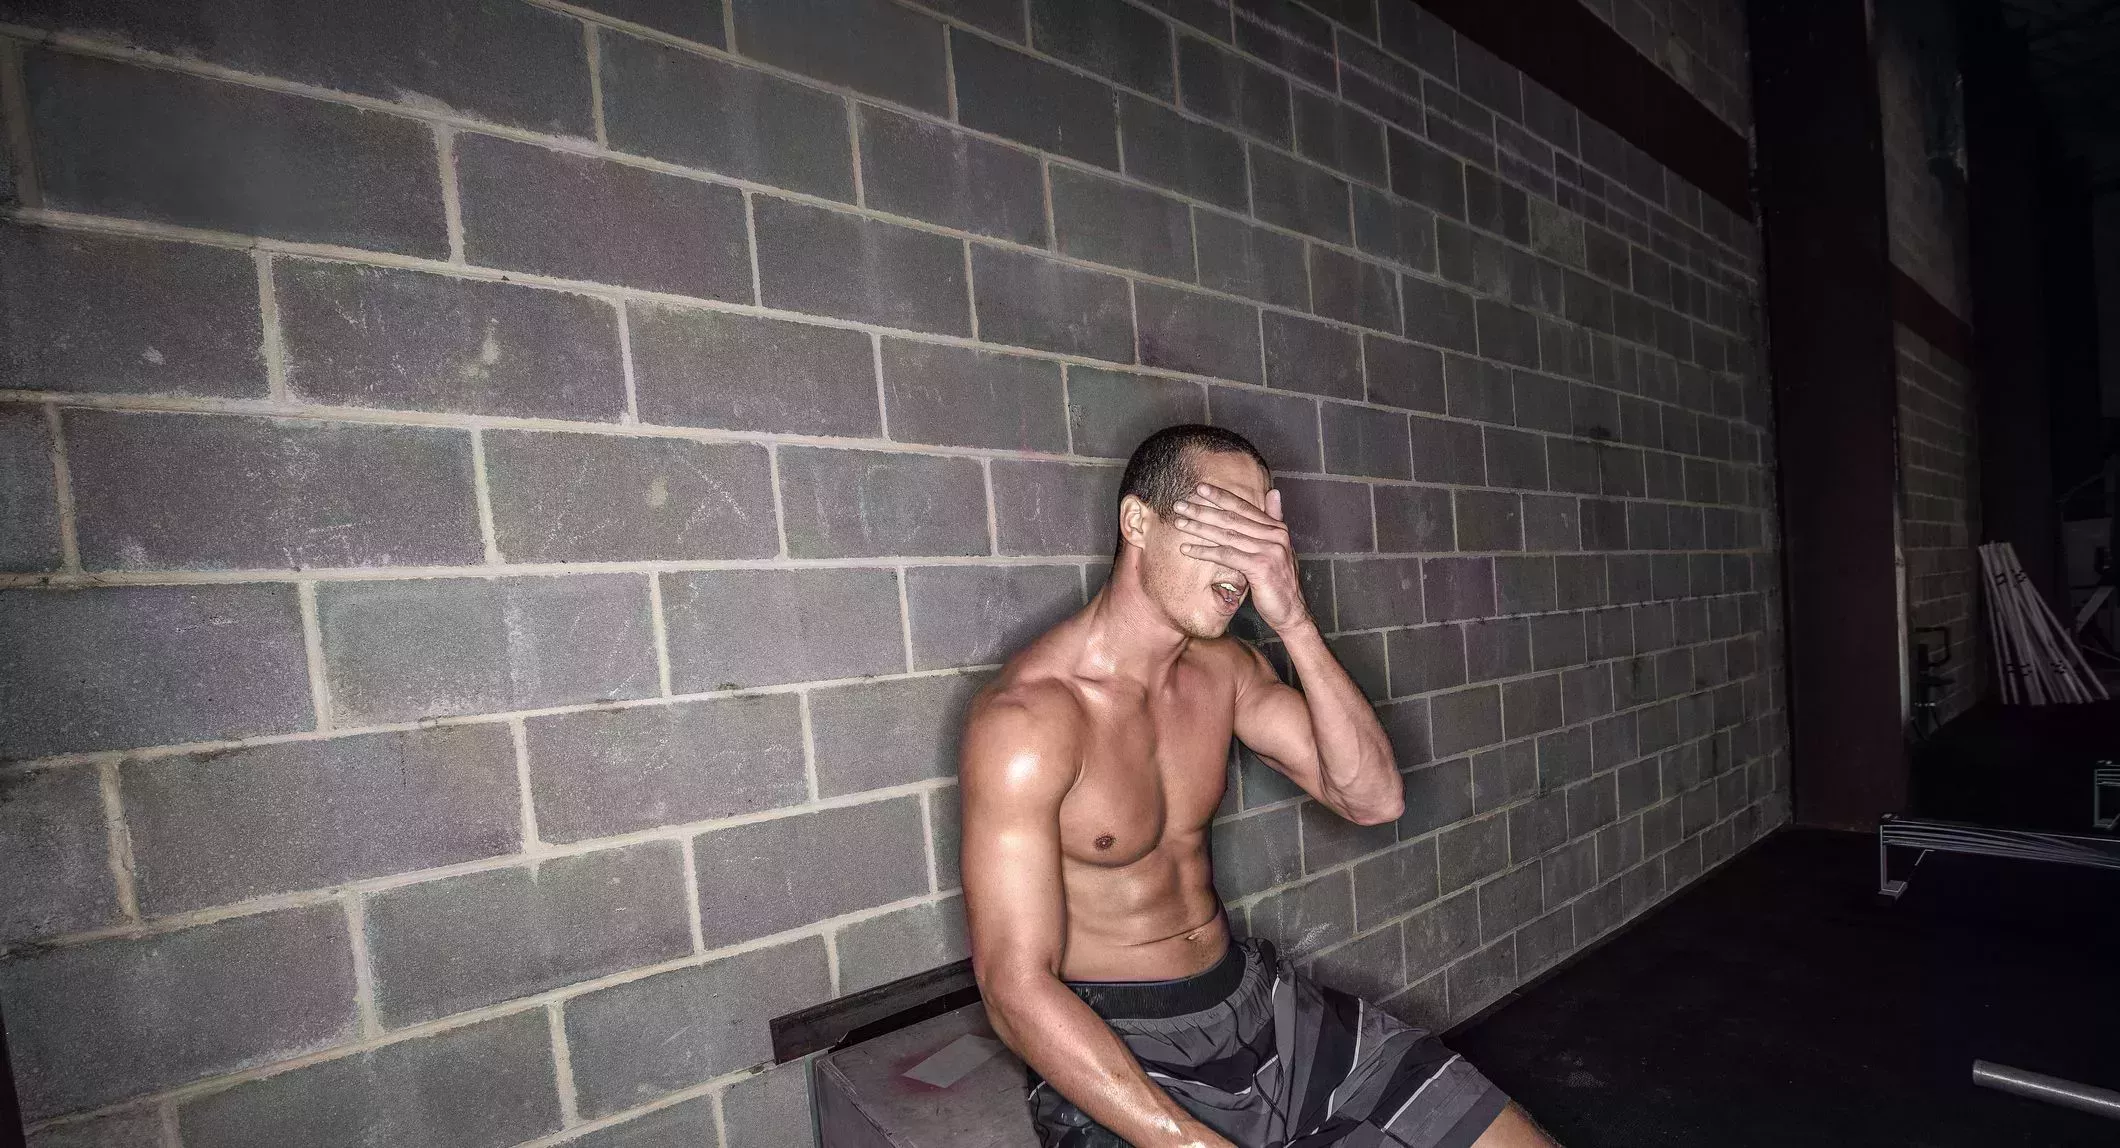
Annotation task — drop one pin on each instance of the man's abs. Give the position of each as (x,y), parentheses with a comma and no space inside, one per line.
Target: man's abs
(1155,919)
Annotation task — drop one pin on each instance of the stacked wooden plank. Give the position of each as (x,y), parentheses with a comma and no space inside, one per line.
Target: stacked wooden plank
(2036,659)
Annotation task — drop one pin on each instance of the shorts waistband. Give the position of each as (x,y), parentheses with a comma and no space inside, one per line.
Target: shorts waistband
(1143,1000)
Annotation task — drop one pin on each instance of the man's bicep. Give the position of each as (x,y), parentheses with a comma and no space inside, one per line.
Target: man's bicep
(1014,773)
(1273,721)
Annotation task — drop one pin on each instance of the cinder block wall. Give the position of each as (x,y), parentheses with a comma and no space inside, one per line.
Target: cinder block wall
(507,502)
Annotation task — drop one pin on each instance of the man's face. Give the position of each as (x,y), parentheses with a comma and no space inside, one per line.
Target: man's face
(1199,597)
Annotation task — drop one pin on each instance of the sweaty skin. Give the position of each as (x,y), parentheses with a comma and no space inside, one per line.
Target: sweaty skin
(1094,762)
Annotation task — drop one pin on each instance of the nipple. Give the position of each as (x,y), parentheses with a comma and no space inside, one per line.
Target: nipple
(1107,841)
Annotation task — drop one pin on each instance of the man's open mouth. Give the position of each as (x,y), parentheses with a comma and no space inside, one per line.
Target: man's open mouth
(1231,592)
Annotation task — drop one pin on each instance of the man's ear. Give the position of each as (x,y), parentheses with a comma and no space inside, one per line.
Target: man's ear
(1134,516)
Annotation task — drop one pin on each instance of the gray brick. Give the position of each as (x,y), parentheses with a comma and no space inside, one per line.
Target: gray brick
(1436,796)
(945,819)
(104,314)
(159,491)
(831,263)
(1426,175)
(1443,316)
(912,940)
(1557,641)
(1406,726)
(770,1109)
(1465,720)
(146,143)
(888,733)
(689,1124)
(1003,18)
(1459,588)
(702,368)
(1504,774)
(604,498)
(1523,585)
(526,208)
(1480,979)
(1371,966)
(1256,852)
(1612,740)
(1115,40)
(1353,290)
(404,340)
(860,503)
(480,1086)
(312,814)
(1313,357)
(976,615)
(52,838)
(1056,507)
(132,1128)
(1638,787)
(1283,427)
(1028,301)
(29,499)
(115,667)
(1570,871)
(930,172)
(1300,197)
(1516,458)
(1378,592)
(461,943)
(92,1024)
(690,19)
(1544,942)
(1251,261)
(402,650)
(1366,441)
(1472,851)
(1310,63)
(1301,919)
(955,396)
(1532,705)
(603,772)
(1327,517)
(1338,136)
(1477,390)
(698,111)
(1210,16)
(1442,933)
(770,876)
(1403,374)
(1447,452)
(1364,658)
(1550,523)
(867,45)
(1509,901)
(1542,402)
(1161,147)
(1329,839)
(1391,228)
(1571,465)
(1105,221)
(1394,882)
(1497,649)
(1025,99)
(1427,658)
(1496,206)
(1197,333)
(1414,518)
(1600,911)
(1508,333)
(735,629)
(1233,91)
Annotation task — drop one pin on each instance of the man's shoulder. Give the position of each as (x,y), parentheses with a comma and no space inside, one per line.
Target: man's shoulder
(1026,703)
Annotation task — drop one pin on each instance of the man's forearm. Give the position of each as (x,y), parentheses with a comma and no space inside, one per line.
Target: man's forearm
(1354,756)
(1076,1052)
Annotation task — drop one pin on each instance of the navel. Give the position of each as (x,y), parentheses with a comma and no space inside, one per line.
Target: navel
(1107,841)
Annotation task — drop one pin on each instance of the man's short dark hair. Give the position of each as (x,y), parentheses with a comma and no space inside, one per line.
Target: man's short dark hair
(1162,469)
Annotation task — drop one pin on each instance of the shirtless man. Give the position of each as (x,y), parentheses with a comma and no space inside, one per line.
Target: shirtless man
(1091,768)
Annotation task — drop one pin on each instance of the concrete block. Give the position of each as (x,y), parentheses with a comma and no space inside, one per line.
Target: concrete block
(1557,641)
(1427,658)
(1028,301)
(1535,827)
(131,1128)
(1570,871)
(1377,592)
(1371,966)
(1293,194)
(1197,333)
(1498,207)
(92,1024)
(1477,390)
(703,368)
(1542,943)
(1504,774)
(689,19)
(402,650)
(1403,374)
(116,667)
(1507,333)
(831,263)
(1325,516)
(1612,740)
(1312,357)
(100,314)
(215,829)
(1531,705)
(1523,585)
(687,1124)
(1579,580)
(1025,99)
(867,45)
(1465,720)
(1592,805)
(885,733)
(1283,427)
(1339,136)
(604,498)
(1436,796)
(1353,290)
(52,838)
(1426,175)
(1472,851)
(526,208)
(1516,459)
(1056,507)
(1551,523)
(955,396)
(1459,588)
(1510,900)
(29,499)
(1233,91)
(770,876)
(1406,727)
(1366,441)
(1392,228)
(1639,787)
(862,503)
(946,829)
(1499,648)
(1314,65)
(1302,919)
(481,1086)
(465,942)
(161,491)
(701,112)
(912,167)
(899,944)
(1439,315)
(735,629)
(1329,839)
(978,615)
(1601,910)
(1256,852)
(770,1109)
(1161,147)
(158,145)
(1105,221)
(1442,933)
(405,340)
(1487,519)
(1108,37)
(1251,261)
(602,772)
(1414,518)
(1571,466)
(1364,658)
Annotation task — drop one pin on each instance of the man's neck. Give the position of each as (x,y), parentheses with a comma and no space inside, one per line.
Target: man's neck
(1126,635)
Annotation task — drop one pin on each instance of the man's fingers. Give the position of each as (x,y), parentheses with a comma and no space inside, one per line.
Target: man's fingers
(1219,555)
(1231,501)
(1221,536)
(1242,524)
(1273,504)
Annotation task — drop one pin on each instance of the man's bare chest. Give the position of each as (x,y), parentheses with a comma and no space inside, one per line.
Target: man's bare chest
(1150,772)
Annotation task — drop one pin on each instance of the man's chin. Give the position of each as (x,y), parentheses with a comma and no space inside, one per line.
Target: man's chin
(1208,626)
